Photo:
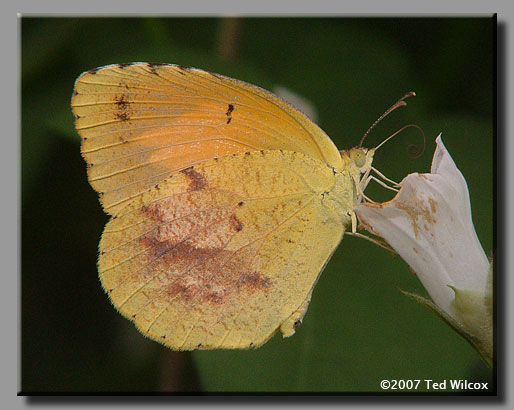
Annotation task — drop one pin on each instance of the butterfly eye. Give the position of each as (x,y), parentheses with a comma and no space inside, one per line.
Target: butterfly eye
(359,158)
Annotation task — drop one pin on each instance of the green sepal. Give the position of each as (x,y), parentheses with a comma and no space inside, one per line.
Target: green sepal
(484,353)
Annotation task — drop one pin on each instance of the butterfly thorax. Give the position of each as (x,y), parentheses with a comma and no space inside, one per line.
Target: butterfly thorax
(347,191)
(358,163)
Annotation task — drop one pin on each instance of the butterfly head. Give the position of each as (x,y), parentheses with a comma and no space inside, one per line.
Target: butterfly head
(362,158)
(359,159)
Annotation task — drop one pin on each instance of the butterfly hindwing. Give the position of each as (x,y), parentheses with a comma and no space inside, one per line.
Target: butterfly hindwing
(200,261)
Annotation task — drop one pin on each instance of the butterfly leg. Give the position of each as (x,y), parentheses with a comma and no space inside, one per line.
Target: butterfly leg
(396,184)
(354,221)
(364,181)
(360,186)
(371,177)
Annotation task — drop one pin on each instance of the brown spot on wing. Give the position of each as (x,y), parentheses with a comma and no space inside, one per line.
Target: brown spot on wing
(155,212)
(229,113)
(157,64)
(236,223)
(152,67)
(195,271)
(201,275)
(122,104)
(254,280)
(197,180)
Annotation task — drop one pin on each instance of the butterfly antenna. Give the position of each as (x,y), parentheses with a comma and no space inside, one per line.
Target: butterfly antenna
(412,150)
(399,103)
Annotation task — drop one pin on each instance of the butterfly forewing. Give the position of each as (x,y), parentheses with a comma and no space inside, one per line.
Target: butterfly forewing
(142,122)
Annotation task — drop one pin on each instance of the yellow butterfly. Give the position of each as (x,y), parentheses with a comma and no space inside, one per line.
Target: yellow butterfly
(226,202)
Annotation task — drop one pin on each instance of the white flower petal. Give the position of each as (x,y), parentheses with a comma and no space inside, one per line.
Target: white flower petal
(429,224)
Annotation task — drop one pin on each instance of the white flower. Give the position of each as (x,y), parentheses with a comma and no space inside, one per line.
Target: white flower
(429,225)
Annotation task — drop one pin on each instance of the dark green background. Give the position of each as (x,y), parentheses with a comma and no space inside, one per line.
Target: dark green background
(359,328)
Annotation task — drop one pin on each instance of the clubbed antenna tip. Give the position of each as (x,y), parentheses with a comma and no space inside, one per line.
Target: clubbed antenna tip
(399,103)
